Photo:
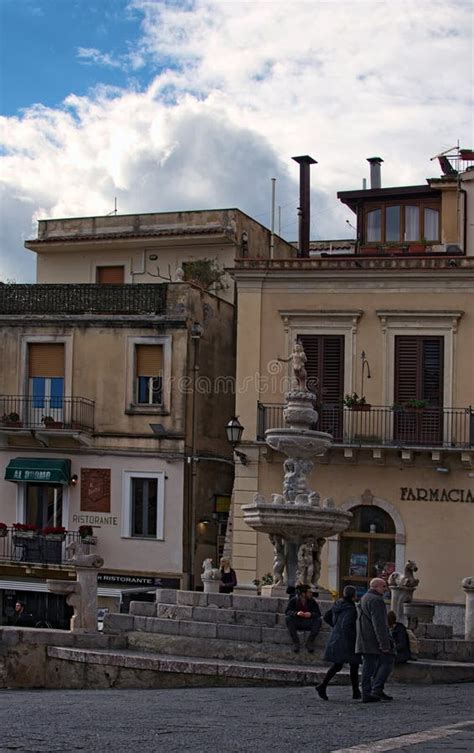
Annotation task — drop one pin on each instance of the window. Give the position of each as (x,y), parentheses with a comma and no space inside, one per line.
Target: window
(143,505)
(110,275)
(367,548)
(46,381)
(419,378)
(44,505)
(149,374)
(405,223)
(325,369)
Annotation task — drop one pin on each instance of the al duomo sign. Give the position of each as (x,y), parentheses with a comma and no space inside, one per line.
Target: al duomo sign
(417,494)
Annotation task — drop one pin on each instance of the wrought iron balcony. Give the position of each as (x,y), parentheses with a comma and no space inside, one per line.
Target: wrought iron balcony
(46,414)
(383,426)
(30,547)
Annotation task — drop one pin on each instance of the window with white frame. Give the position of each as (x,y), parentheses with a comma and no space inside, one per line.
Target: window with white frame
(143,505)
(149,374)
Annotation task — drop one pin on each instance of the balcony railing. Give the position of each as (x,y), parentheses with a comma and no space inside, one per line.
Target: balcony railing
(53,413)
(384,425)
(83,299)
(35,548)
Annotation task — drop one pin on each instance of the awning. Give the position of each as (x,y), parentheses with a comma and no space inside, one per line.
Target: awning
(39,470)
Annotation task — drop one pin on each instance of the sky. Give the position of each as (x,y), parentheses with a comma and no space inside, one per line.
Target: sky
(193,104)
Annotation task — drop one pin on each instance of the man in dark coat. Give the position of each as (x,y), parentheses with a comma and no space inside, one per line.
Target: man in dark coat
(340,648)
(303,613)
(374,643)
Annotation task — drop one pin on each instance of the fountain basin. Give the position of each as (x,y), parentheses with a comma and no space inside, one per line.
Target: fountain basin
(295,523)
(300,443)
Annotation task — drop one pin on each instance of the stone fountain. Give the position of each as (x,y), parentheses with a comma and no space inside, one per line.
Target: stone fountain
(296,521)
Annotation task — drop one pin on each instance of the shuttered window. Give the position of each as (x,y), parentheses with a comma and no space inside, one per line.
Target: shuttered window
(325,368)
(419,377)
(110,275)
(46,360)
(419,369)
(149,374)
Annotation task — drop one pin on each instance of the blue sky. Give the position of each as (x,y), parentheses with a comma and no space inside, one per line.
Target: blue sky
(40,43)
(173,105)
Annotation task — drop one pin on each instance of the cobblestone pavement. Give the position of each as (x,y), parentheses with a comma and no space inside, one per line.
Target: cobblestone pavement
(233,720)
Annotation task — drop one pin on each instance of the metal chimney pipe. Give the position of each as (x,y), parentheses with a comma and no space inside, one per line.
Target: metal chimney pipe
(375,178)
(304,218)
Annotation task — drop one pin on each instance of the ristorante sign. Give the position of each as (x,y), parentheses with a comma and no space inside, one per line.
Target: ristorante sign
(408,493)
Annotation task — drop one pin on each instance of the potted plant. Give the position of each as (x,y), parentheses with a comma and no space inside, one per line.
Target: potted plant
(55,533)
(12,419)
(51,423)
(354,402)
(86,534)
(415,405)
(3,530)
(24,530)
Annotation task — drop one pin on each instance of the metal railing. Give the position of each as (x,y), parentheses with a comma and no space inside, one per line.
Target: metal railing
(36,548)
(83,298)
(383,425)
(48,413)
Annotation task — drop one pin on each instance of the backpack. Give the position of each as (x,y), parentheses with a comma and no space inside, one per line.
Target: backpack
(414,644)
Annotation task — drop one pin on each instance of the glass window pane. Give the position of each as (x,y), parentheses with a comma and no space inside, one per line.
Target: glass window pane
(57,393)
(431,224)
(374,224)
(144,506)
(142,389)
(392,224)
(412,223)
(156,390)
(37,391)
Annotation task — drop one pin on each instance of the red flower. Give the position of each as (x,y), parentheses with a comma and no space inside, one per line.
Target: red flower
(3,525)
(24,527)
(53,529)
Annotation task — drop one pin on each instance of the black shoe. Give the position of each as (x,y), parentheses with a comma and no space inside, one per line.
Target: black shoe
(370,699)
(356,695)
(385,697)
(321,691)
(296,648)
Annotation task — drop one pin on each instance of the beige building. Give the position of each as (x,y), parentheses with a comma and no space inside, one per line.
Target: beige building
(391,320)
(114,398)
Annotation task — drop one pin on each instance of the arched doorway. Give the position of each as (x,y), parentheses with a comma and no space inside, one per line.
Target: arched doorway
(367,548)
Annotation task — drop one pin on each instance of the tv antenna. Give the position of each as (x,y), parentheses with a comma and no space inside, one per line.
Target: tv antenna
(115,208)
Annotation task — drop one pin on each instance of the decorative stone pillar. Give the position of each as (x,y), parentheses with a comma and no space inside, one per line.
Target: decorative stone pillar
(210,577)
(468,586)
(402,587)
(81,595)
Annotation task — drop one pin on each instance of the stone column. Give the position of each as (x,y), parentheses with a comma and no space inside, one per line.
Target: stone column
(468,586)
(400,595)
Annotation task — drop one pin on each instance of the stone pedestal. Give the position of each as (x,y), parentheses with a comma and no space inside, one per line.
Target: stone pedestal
(468,586)
(82,594)
(278,591)
(415,613)
(400,595)
(246,589)
(211,586)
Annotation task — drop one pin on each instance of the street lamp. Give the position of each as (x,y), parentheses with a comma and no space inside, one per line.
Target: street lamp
(234,431)
(196,332)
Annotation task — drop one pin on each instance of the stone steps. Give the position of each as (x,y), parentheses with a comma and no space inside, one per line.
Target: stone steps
(79,667)
(437,632)
(447,650)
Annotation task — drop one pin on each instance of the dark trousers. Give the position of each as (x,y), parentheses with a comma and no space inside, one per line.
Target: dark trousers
(376,669)
(311,624)
(336,667)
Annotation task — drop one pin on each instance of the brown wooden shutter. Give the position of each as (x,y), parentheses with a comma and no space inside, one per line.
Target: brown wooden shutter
(149,360)
(110,275)
(419,369)
(325,366)
(46,360)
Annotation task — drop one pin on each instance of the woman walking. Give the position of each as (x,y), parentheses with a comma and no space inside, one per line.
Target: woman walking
(340,648)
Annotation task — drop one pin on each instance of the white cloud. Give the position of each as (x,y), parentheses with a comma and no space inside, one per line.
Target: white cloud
(90,56)
(244,86)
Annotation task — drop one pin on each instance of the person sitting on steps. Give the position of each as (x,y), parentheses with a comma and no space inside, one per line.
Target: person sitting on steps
(303,613)
(340,648)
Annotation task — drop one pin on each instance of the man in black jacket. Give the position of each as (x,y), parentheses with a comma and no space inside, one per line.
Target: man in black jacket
(374,643)
(303,613)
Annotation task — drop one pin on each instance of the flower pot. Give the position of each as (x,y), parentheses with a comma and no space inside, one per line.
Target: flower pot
(24,534)
(3,532)
(54,425)
(54,536)
(13,424)
(365,406)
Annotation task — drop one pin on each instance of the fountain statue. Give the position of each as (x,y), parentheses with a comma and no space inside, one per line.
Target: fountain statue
(295,520)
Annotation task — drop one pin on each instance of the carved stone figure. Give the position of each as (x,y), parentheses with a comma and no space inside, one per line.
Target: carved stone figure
(314,499)
(290,481)
(298,360)
(317,549)
(305,570)
(259,499)
(210,577)
(278,499)
(407,579)
(279,559)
